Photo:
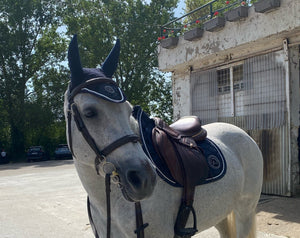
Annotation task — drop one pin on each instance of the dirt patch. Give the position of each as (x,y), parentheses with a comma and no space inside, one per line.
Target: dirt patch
(279,216)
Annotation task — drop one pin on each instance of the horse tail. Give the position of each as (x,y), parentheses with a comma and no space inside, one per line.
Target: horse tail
(252,232)
(246,227)
(231,224)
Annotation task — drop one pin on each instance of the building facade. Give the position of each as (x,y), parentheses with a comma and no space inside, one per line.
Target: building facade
(247,74)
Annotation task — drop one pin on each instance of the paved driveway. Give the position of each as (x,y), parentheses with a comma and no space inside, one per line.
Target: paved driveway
(42,200)
(46,200)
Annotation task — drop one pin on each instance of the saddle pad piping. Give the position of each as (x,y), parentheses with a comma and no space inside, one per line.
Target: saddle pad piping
(148,153)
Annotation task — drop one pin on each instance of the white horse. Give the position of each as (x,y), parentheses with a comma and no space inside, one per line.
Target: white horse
(228,204)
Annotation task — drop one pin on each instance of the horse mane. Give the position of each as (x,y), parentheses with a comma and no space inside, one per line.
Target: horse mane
(133,122)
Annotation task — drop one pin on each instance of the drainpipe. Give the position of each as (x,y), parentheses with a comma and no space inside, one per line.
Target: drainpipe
(287,88)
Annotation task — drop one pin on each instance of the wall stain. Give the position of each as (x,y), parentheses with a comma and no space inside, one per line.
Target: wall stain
(269,144)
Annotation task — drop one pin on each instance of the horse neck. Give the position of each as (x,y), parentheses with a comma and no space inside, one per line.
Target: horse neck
(134,126)
(93,184)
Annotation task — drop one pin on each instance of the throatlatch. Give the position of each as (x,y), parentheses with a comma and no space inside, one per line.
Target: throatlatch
(102,166)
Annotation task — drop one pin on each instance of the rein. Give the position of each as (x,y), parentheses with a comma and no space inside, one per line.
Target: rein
(101,164)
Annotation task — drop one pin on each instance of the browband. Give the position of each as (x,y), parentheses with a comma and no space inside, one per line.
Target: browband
(102,87)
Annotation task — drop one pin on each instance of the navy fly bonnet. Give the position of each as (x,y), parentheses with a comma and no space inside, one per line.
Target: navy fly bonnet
(88,77)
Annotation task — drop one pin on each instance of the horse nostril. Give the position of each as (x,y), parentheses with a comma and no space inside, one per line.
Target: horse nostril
(135,179)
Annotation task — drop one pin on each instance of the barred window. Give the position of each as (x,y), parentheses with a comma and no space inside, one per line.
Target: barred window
(224,79)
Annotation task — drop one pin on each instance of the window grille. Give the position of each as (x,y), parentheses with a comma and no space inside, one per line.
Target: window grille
(223,81)
(251,95)
(238,77)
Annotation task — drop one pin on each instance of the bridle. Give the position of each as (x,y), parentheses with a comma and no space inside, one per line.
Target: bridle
(102,166)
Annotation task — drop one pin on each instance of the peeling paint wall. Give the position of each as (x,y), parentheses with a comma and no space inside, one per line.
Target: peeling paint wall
(258,35)
(181,94)
(294,64)
(258,31)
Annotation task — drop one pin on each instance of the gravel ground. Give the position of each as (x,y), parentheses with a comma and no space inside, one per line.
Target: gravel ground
(46,199)
(279,215)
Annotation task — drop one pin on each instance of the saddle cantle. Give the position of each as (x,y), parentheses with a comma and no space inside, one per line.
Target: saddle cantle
(183,157)
(190,126)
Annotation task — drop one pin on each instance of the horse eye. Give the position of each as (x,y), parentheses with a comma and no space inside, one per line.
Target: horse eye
(89,113)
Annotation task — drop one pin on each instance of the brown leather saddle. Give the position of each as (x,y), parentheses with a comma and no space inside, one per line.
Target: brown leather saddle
(184,157)
(176,145)
(178,158)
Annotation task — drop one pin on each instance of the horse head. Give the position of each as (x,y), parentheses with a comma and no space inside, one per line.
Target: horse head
(100,131)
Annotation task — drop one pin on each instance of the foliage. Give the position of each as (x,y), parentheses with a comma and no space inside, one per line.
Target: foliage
(216,8)
(31,48)
(34,74)
(136,23)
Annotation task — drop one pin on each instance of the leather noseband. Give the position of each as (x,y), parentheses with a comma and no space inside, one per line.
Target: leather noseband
(73,109)
(101,165)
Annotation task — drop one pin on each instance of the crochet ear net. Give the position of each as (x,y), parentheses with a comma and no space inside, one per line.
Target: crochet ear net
(79,75)
(111,62)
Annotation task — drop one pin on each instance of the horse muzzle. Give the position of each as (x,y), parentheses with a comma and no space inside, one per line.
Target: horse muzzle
(138,184)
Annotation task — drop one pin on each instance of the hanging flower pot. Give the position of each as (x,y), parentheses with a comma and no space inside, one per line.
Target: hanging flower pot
(214,24)
(266,5)
(236,13)
(169,43)
(194,34)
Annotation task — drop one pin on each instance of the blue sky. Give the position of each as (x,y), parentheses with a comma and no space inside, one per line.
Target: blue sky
(179,10)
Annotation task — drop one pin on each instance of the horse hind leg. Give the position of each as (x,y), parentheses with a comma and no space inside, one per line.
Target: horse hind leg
(236,226)
(246,225)
(227,227)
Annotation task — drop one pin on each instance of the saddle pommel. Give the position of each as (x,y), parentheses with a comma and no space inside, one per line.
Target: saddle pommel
(190,126)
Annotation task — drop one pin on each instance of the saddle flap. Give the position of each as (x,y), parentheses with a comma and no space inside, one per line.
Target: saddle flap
(181,154)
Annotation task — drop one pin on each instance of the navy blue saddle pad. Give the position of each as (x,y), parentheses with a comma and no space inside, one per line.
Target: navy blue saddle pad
(213,155)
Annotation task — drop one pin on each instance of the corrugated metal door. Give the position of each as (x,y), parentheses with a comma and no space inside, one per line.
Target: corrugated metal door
(251,95)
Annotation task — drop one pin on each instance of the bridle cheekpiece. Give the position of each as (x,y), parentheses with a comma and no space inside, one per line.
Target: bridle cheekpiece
(106,89)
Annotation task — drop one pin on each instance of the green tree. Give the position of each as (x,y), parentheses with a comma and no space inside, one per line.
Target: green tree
(30,46)
(136,23)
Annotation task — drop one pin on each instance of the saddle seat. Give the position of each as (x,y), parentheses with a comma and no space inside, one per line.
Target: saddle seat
(176,146)
(190,126)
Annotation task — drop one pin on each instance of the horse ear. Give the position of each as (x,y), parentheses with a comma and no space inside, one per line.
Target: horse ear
(74,63)
(111,62)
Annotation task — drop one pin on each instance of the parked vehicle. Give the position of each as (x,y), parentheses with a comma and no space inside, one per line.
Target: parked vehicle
(36,153)
(3,157)
(62,152)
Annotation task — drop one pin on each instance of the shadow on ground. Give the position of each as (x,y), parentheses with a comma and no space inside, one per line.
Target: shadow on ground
(283,208)
(38,164)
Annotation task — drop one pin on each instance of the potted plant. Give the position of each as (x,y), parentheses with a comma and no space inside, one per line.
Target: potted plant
(195,33)
(216,23)
(170,41)
(266,5)
(237,13)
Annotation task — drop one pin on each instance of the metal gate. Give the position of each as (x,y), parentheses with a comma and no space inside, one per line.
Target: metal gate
(252,95)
